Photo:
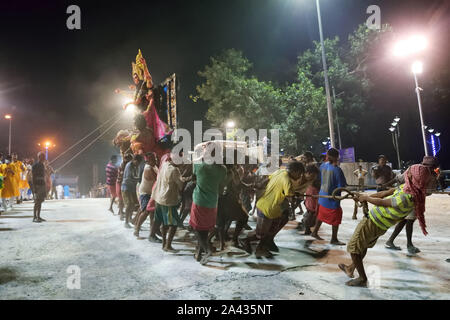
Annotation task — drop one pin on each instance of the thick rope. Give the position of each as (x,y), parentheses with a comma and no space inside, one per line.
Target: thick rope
(90,134)
(90,144)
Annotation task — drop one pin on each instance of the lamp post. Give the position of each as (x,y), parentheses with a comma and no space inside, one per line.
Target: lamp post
(47,145)
(412,46)
(337,119)
(417,68)
(325,75)
(9,117)
(395,130)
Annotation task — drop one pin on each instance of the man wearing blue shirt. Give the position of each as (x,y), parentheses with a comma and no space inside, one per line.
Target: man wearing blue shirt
(330,211)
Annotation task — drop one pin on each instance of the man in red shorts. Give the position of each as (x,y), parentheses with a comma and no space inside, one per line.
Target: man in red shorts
(330,211)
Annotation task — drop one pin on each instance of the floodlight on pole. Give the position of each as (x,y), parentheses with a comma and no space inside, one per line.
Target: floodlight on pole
(397,119)
(9,117)
(391,129)
(437,134)
(430,130)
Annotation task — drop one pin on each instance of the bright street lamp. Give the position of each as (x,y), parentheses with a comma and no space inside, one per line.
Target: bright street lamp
(411,45)
(9,117)
(396,119)
(391,129)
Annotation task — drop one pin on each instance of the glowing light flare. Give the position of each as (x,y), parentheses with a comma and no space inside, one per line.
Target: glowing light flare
(391,129)
(417,67)
(411,45)
(126,100)
(230,124)
(8,116)
(47,144)
(130,109)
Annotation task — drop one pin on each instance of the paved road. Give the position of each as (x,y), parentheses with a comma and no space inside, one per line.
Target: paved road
(113,264)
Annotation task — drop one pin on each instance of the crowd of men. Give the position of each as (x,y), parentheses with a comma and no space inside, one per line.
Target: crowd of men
(215,195)
(24,181)
(16,180)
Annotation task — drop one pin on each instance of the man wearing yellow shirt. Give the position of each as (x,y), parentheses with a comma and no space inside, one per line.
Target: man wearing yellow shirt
(9,181)
(18,168)
(271,215)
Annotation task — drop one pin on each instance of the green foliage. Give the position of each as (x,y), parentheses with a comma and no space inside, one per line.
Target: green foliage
(298,110)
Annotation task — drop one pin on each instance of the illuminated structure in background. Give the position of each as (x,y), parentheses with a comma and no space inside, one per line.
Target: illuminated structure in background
(434,141)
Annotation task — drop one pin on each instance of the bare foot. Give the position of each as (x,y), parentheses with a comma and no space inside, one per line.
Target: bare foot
(41,220)
(392,246)
(315,235)
(204,259)
(136,234)
(245,244)
(154,239)
(262,252)
(111,210)
(354,218)
(198,254)
(346,270)
(413,250)
(337,242)
(358,282)
(170,249)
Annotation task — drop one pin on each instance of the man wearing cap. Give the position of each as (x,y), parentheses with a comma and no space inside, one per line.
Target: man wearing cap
(390,207)
(409,220)
(382,173)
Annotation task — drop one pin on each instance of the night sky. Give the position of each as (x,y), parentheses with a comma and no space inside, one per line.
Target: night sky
(59,84)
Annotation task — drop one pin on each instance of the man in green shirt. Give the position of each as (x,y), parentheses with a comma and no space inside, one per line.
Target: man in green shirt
(204,205)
